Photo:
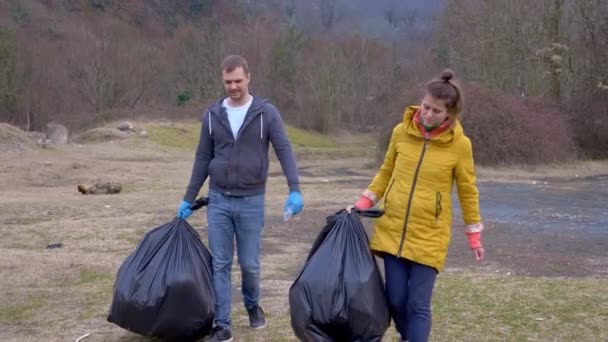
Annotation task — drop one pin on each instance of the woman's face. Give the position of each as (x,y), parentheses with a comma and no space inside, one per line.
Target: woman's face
(433,111)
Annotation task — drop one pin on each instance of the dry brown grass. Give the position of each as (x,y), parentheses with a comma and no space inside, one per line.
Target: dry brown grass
(12,139)
(564,171)
(61,294)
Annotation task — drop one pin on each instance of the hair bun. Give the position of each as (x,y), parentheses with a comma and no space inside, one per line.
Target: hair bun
(446,75)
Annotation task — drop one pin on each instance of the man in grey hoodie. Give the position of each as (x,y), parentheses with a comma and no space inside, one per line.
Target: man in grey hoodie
(233,153)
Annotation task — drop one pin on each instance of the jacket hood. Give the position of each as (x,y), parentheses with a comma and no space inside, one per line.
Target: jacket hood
(445,137)
(256,105)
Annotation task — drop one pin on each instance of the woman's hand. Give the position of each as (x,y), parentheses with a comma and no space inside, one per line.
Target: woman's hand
(479,253)
(474,237)
(363,203)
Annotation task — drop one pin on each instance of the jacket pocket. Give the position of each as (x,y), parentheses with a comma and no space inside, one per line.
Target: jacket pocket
(388,190)
(212,171)
(252,174)
(438,207)
(217,172)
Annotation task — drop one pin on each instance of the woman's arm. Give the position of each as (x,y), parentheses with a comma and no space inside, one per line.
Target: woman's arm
(468,195)
(377,187)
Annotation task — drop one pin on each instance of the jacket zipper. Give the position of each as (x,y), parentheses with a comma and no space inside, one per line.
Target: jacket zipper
(409,202)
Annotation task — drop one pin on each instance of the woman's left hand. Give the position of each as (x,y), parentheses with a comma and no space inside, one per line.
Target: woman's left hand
(479,253)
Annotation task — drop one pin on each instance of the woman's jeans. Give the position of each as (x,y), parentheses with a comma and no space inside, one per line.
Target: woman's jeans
(409,287)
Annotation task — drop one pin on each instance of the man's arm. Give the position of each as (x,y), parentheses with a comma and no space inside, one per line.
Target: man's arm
(282,148)
(204,155)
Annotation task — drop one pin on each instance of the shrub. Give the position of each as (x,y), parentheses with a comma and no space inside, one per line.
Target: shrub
(505,129)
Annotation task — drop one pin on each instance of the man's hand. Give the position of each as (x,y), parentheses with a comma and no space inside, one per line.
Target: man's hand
(184,210)
(294,202)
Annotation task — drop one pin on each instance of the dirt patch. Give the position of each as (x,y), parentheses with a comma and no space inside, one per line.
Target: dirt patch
(102,134)
(511,247)
(60,294)
(551,172)
(12,139)
(522,251)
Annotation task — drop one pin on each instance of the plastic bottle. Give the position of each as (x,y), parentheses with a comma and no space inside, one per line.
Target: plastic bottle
(287,214)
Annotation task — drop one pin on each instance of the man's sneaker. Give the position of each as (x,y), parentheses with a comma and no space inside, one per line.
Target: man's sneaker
(219,334)
(256,317)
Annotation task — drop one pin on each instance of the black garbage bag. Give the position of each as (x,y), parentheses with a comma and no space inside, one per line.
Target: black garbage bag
(164,288)
(339,294)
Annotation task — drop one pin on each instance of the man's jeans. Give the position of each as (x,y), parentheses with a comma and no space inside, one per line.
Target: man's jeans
(228,216)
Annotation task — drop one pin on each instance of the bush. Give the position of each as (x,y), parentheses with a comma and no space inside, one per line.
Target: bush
(100,4)
(183,97)
(588,119)
(505,129)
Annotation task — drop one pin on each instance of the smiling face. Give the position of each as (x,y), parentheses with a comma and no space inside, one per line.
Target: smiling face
(433,111)
(236,84)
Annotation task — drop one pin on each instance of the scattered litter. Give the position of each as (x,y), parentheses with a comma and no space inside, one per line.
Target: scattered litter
(107,206)
(325,180)
(539,319)
(125,126)
(534,182)
(54,245)
(100,188)
(78,165)
(47,163)
(82,337)
(45,212)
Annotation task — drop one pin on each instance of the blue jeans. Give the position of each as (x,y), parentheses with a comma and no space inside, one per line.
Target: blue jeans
(228,217)
(409,287)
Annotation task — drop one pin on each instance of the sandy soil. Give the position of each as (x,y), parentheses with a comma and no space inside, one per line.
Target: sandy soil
(39,205)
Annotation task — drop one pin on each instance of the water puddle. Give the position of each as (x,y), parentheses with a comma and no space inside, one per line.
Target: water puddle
(576,205)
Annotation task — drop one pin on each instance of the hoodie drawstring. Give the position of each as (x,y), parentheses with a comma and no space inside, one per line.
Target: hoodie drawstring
(261,124)
(209,116)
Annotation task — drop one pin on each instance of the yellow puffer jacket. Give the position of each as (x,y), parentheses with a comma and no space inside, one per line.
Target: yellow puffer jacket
(415,182)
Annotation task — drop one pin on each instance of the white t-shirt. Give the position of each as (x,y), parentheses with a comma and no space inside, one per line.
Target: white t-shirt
(236,115)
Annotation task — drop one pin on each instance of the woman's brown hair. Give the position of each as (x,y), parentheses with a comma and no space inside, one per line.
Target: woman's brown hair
(448,90)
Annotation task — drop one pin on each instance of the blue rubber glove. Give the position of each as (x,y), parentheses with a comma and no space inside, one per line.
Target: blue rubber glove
(294,202)
(184,210)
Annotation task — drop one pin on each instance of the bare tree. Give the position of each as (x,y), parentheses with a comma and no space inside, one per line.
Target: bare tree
(92,75)
(324,88)
(200,60)
(550,48)
(12,76)
(328,12)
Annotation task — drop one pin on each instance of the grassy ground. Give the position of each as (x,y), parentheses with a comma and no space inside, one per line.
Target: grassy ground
(61,294)
(488,307)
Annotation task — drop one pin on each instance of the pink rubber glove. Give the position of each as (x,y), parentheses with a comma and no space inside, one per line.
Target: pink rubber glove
(475,244)
(364,203)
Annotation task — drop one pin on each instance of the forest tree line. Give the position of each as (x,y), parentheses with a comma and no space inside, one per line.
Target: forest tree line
(531,70)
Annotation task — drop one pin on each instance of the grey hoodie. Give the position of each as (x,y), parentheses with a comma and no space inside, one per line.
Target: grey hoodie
(240,167)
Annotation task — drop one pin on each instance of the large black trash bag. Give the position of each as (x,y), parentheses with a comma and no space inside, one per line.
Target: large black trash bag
(339,294)
(164,288)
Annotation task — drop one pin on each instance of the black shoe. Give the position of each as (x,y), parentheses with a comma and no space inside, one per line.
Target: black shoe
(256,317)
(219,334)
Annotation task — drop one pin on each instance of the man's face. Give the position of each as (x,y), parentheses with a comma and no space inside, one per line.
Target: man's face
(236,83)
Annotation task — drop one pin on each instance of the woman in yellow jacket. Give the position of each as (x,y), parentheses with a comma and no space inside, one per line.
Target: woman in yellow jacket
(427,153)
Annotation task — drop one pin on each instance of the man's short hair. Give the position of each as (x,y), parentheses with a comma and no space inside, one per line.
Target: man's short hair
(235,61)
